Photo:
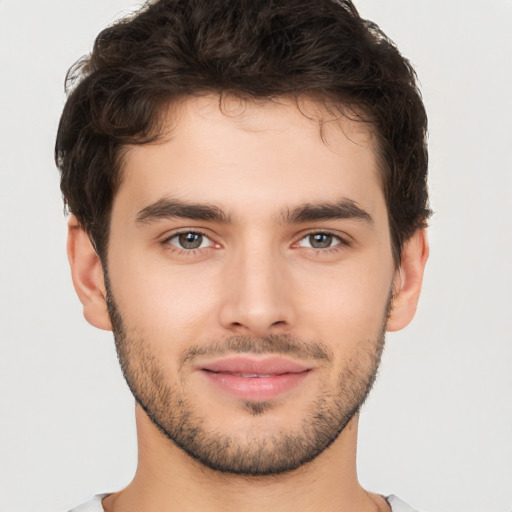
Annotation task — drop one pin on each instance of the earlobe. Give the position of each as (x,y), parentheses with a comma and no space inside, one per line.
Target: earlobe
(408,280)
(87,275)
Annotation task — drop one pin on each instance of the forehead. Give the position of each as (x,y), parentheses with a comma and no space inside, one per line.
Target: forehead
(240,154)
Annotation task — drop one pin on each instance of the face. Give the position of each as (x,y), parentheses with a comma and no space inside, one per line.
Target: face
(249,280)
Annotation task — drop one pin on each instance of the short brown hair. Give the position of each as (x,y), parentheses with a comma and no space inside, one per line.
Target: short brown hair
(251,48)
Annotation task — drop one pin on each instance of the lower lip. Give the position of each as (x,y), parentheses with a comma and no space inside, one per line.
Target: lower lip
(256,388)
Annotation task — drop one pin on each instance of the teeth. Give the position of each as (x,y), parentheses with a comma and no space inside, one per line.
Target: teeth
(253,375)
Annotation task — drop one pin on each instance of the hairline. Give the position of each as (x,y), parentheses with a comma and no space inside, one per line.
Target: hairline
(161,130)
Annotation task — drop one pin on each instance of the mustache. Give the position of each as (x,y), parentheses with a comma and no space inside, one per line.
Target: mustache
(282,344)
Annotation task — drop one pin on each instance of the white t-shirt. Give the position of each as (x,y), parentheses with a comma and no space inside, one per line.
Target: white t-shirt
(94,505)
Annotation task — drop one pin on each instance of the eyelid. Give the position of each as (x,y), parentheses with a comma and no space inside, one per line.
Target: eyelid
(344,238)
(165,241)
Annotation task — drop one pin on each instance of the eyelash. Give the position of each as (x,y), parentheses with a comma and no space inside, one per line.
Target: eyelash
(180,251)
(341,245)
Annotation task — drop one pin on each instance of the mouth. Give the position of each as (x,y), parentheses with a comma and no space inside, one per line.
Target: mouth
(255,379)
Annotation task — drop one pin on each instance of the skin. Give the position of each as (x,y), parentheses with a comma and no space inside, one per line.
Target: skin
(254,276)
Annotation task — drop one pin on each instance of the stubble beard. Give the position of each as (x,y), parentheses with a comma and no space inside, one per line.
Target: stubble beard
(174,414)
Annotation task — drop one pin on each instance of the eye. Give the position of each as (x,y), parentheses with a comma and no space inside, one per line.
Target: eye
(320,241)
(190,240)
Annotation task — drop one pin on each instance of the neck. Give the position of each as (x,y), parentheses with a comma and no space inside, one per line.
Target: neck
(169,480)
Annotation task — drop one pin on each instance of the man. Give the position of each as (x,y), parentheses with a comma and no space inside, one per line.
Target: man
(247,189)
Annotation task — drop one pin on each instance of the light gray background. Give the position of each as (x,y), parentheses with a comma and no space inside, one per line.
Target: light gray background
(437,430)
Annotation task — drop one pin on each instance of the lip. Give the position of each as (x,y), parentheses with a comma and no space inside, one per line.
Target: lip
(263,366)
(255,379)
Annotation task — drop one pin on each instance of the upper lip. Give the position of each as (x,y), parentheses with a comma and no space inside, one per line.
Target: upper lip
(274,365)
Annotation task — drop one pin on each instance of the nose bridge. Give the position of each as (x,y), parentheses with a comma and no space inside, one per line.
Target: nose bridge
(256,300)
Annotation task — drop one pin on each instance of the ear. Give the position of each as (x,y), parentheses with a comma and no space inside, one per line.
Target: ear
(87,274)
(408,279)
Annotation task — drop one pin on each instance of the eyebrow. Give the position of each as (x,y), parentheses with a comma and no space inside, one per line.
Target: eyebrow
(172,208)
(312,212)
(167,208)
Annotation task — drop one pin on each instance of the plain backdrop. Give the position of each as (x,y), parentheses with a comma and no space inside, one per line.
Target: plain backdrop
(437,430)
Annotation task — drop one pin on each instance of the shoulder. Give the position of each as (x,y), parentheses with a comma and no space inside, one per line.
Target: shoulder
(93,505)
(397,505)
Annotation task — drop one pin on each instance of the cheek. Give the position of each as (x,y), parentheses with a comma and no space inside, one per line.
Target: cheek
(171,306)
(346,303)
(163,303)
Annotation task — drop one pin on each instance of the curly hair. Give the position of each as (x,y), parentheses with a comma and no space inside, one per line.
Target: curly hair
(261,49)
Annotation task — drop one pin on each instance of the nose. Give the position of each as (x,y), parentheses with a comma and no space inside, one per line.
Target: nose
(257,295)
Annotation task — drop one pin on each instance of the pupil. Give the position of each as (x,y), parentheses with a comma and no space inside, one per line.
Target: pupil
(320,241)
(190,240)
